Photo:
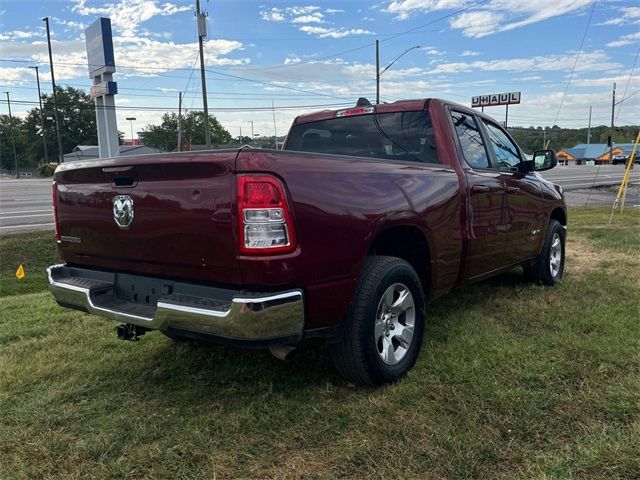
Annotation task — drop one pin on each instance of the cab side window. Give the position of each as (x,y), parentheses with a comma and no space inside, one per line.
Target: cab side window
(507,156)
(470,140)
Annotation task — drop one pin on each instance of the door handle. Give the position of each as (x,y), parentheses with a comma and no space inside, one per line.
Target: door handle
(479,189)
(514,190)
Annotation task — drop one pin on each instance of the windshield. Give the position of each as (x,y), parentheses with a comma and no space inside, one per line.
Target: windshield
(403,136)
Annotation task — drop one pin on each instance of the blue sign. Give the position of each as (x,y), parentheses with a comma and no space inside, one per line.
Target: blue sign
(100,47)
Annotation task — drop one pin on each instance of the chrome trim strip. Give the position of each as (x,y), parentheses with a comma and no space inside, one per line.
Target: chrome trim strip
(197,311)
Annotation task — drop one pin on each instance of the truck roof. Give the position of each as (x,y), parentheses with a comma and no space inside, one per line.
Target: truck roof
(399,106)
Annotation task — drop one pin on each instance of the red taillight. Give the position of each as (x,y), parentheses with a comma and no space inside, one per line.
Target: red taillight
(54,193)
(264,217)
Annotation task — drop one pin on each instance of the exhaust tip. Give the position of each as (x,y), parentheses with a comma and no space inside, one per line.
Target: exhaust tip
(281,352)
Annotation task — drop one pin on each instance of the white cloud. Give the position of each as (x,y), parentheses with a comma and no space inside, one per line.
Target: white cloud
(273,15)
(312,18)
(403,9)
(589,61)
(127,15)
(492,17)
(150,57)
(292,60)
(628,15)
(469,53)
(304,14)
(625,40)
(16,75)
(321,32)
(333,10)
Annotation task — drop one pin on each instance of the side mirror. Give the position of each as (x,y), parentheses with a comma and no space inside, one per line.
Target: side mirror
(543,160)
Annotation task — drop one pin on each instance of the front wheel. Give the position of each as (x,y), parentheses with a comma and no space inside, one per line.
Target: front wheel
(548,267)
(384,325)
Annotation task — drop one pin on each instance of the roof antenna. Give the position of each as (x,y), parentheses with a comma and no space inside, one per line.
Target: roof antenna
(363,102)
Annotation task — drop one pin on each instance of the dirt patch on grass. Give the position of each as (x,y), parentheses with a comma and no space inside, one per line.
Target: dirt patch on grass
(584,257)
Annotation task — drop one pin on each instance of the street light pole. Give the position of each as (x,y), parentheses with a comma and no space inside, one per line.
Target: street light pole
(53,84)
(13,141)
(379,73)
(44,136)
(131,120)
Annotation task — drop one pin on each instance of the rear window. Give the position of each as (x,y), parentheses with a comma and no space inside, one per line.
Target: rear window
(404,136)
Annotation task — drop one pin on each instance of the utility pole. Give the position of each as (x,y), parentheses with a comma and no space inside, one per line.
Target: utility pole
(13,141)
(544,138)
(179,121)
(613,108)
(506,116)
(240,134)
(55,101)
(202,32)
(131,120)
(44,137)
(589,129)
(377,72)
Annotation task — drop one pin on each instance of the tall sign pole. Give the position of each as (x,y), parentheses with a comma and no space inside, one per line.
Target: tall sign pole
(55,101)
(102,66)
(13,141)
(44,136)
(202,33)
(589,129)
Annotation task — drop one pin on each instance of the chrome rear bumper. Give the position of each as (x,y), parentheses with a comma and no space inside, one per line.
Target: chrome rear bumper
(164,304)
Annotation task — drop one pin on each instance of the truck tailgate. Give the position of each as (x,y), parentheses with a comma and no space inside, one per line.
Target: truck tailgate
(182,224)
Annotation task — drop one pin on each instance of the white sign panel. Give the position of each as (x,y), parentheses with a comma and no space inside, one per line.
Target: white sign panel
(496,99)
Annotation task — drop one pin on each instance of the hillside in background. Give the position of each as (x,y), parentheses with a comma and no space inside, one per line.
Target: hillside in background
(535,138)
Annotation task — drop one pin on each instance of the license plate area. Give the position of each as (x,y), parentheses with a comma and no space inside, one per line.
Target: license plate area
(142,290)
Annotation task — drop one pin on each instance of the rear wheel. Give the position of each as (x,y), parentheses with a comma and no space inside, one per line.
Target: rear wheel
(548,267)
(384,326)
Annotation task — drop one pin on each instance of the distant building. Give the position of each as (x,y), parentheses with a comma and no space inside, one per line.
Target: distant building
(91,152)
(597,152)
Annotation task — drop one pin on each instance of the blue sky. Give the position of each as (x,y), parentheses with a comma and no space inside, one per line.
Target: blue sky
(306,56)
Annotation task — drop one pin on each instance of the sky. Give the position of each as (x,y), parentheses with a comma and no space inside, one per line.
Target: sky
(298,57)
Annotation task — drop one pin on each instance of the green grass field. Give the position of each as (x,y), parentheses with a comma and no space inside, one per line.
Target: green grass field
(514,381)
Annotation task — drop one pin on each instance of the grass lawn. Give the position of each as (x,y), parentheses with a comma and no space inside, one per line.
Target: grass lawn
(514,381)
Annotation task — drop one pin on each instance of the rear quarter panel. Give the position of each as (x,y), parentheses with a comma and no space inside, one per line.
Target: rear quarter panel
(340,205)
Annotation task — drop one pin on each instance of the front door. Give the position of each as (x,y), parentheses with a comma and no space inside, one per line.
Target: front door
(524,215)
(487,200)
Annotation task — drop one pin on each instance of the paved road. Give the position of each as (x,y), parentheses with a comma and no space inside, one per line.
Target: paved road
(576,177)
(25,204)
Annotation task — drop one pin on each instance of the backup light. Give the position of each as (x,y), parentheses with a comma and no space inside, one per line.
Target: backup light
(264,217)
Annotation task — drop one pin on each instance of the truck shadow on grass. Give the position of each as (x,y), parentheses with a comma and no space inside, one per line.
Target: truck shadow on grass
(218,368)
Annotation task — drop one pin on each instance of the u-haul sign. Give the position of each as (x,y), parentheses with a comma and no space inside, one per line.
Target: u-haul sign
(496,99)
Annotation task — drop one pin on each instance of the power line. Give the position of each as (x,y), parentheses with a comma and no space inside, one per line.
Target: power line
(217,109)
(584,36)
(624,95)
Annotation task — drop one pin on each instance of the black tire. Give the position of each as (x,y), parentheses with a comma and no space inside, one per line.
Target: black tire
(541,271)
(356,356)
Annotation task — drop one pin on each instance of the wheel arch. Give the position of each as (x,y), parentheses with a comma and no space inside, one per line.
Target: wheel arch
(560,215)
(409,243)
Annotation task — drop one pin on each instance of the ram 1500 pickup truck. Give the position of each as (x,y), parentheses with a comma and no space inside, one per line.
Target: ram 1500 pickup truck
(345,234)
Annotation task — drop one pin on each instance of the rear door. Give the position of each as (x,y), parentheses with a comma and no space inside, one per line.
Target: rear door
(181,215)
(525,212)
(487,199)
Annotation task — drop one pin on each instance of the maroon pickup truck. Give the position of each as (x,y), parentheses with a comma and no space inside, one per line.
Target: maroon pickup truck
(345,234)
